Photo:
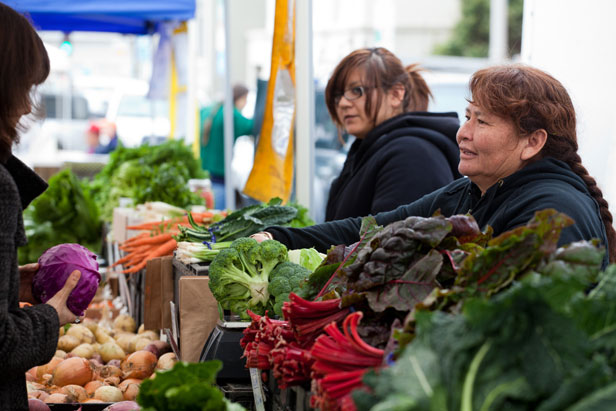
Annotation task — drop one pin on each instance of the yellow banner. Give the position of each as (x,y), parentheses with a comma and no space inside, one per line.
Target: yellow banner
(272,173)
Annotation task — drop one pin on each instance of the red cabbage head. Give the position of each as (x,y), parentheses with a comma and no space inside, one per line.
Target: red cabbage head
(56,264)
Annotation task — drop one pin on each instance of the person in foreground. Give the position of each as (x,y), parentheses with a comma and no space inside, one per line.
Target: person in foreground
(28,336)
(401,151)
(518,148)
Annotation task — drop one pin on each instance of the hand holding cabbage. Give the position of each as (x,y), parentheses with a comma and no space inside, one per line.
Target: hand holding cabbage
(67,279)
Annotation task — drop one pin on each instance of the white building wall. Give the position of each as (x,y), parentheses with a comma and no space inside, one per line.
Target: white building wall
(575,41)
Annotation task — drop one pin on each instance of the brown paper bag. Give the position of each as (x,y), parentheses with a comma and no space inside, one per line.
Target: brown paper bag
(198,315)
(157,294)
(152,299)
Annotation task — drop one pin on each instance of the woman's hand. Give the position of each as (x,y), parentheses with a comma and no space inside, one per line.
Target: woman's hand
(26,275)
(262,236)
(58,301)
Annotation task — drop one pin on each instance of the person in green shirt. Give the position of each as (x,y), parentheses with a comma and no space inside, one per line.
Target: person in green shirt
(212,140)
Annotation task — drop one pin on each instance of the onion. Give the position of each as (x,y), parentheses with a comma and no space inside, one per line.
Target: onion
(84,350)
(130,388)
(123,406)
(114,381)
(166,361)
(90,400)
(139,364)
(111,351)
(46,379)
(115,363)
(48,368)
(72,371)
(110,371)
(31,374)
(39,394)
(107,393)
(60,353)
(34,386)
(56,398)
(92,386)
(96,363)
(130,392)
(127,381)
(124,322)
(82,333)
(158,348)
(141,328)
(67,342)
(75,393)
(35,404)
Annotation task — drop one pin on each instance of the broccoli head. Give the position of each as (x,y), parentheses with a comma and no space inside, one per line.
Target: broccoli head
(284,279)
(239,275)
(266,256)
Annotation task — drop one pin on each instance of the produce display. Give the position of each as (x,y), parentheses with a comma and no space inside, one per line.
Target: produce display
(432,313)
(64,213)
(130,368)
(56,265)
(94,363)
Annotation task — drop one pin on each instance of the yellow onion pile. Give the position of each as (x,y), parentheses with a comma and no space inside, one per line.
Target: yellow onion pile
(98,364)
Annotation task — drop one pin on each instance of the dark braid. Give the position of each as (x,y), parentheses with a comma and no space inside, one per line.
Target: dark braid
(534,100)
(573,159)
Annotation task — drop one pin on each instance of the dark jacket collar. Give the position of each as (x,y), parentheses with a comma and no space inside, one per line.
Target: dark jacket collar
(29,184)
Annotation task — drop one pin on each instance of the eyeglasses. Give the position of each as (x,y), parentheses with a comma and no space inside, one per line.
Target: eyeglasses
(351,94)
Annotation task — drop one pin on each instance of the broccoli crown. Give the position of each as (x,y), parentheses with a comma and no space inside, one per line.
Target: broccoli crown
(284,279)
(266,256)
(239,275)
(244,245)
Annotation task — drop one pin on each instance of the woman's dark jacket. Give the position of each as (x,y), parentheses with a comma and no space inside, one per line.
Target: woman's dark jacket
(512,202)
(28,336)
(398,162)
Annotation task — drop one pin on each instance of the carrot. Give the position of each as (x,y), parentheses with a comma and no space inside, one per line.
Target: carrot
(160,238)
(162,250)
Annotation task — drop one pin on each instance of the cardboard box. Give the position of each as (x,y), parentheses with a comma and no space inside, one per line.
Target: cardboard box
(158,292)
(198,310)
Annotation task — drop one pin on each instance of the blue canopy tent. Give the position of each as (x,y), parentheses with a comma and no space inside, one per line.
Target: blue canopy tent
(125,16)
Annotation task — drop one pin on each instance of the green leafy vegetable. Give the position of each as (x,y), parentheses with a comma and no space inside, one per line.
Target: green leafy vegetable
(147,173)
(306,257)
(64,213)
(241,223)
(186,387)
(542,344)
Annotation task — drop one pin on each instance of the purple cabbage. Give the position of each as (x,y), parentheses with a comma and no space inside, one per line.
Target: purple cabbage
(55,266)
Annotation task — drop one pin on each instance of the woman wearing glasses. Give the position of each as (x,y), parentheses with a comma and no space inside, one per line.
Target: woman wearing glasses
(401,152)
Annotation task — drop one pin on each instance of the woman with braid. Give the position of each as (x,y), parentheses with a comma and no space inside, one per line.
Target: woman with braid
(518,148)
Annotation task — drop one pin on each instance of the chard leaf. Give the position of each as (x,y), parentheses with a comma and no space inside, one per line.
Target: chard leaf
(402,294)
(512,253)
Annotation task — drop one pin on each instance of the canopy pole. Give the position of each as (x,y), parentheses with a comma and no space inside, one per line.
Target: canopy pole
(305,117)
(228,111)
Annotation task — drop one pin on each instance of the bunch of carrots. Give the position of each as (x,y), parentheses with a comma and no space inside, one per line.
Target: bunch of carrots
(156,240)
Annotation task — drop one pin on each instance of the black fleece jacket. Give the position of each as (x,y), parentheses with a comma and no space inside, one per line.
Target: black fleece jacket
(28,336)
(512,202)
(398,162)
